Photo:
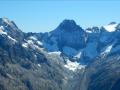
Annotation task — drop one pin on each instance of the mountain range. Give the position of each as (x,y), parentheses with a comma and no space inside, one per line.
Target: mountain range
(67,58)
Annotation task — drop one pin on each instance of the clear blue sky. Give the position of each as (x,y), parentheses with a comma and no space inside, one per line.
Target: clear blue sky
(45,15)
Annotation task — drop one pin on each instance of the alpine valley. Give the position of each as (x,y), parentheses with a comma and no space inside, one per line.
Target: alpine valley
(67,58)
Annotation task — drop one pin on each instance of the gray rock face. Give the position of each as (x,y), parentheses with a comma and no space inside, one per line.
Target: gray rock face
(25,65)
(103,74)
(69,34)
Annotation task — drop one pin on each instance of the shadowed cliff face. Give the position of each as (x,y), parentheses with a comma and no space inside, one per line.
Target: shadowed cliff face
(67,58)
(68,33)
(103,74)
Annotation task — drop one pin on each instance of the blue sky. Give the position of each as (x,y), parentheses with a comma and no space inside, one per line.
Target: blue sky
(46,15)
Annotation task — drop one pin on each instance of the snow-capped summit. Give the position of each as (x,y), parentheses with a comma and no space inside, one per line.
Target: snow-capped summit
(111,27)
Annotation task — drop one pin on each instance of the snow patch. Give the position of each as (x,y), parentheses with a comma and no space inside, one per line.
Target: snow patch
(30,41)
(78,55)
(31,44)
(107,49)
(5,33)
(33,38)
(88,31)
(25,45)
(2,30)
(39,43)
(56,52)
(73,66)
(110,27)
(39,65)
(12,39)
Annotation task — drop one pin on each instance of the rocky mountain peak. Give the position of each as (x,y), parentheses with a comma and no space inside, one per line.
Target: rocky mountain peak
(69,25)
(10,29)
(6,23)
